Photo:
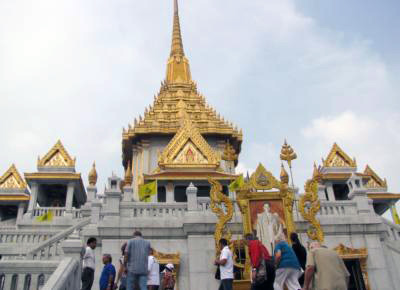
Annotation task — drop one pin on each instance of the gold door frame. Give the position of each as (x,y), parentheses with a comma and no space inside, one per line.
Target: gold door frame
(174,259)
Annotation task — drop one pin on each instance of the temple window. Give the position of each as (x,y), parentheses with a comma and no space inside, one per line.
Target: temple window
(14,282)
(203,191)
(180,194)
(161,194)
(27,282)
(340,191)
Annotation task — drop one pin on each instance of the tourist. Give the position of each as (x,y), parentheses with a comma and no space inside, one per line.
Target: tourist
(301,253)
(225,263)
(137,260)
(168,281)
(332,273)
(88,266)
(122,271)
(107,276)
(153,279)
(257,252)
(288,269)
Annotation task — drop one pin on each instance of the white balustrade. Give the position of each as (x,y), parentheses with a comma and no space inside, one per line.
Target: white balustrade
(203,204)
(337,208)
(21,236)
(56,211)
(392,230)
(161,210)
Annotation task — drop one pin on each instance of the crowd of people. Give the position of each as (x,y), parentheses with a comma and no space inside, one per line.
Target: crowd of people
(292,266)
(138,268)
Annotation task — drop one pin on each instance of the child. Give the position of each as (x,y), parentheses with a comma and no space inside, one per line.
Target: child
(108,274)
(168,281)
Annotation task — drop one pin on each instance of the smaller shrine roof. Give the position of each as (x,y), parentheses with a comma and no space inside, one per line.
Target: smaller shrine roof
(338,158)
(11,179)
(375,182)
(57,157)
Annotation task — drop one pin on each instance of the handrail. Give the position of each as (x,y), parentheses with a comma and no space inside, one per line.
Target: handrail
(56,238)
(64,277)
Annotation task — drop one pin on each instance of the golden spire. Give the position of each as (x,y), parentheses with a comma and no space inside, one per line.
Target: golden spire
(128,175)
(316,173)
(287,153)
(178,70)
(177,45)
(93,175)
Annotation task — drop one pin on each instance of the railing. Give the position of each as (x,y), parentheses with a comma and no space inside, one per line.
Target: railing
(51,247)
(203,204)
(392,230)
(66,276)
(76,213)
(158,209)
(19,274)
(21,236)
(57,211)
(337,208)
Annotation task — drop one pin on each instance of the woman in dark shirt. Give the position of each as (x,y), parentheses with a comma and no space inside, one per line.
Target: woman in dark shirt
(300,252)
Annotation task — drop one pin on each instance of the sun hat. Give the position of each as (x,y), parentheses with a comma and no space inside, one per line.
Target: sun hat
(169,266)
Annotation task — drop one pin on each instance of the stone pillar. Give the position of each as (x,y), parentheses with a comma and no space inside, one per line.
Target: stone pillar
(113,199)
(169,192)
(91,193)
(191,193)
(70,197)
(359,194)
(21,208)
(72,247)
(95,214)
(146,157)
(329,189)
(33,200)
(321,192)
(128,193)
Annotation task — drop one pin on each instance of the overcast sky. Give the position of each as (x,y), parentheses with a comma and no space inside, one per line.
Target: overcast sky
(314,72)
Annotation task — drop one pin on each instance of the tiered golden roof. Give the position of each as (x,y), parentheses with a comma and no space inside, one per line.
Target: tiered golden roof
(338,158)
(162,116)
(12,179)
(56,157)
(375,181)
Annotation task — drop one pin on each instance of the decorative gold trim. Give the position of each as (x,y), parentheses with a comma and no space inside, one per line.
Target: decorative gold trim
(309,205)
(378,196)
(49,175)
(14,197)
(375,181)
(128,175)
(11,179)
(174,259)
(217,199)
(262,179)
(229,153)
(56,157)
(347,253)
(188,133)
(287,153)
(338,158)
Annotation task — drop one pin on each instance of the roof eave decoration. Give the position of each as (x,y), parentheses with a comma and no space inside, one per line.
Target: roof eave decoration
(188,148)
(56,157)
(338,158)
(262,179)
(11,179)
(375,182)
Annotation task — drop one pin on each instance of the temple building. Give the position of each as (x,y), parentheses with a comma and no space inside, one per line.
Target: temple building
(190,152)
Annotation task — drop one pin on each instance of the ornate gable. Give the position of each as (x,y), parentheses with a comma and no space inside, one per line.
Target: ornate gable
(12,179)
(262,179)
(56,157)
(188,149)
(375,181)
(338,158)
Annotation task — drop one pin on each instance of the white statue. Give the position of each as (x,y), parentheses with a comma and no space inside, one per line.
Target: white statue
(269,227)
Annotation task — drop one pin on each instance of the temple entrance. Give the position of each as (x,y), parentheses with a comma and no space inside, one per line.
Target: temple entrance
(356,276)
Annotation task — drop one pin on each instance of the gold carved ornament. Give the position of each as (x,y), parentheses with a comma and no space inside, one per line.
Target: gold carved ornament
(338,158)
(347,253)
(309,206)
(375,181)
(56,157)
(217,200)
(11,179)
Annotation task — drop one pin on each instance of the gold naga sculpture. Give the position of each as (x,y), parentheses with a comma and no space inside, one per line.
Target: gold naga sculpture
(217,200)
(309,205)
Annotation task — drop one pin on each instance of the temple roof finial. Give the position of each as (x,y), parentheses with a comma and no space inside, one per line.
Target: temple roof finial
(177,45)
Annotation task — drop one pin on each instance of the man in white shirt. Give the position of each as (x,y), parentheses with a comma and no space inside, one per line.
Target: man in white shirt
(88,264)
(153,278)
(225,263)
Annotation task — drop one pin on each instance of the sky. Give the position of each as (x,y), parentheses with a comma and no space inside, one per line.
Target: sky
(314,72)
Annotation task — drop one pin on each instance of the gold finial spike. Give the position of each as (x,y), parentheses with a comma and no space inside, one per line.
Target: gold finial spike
(284,175)
(128,175)
(287,153)
(93,175)
(177,44)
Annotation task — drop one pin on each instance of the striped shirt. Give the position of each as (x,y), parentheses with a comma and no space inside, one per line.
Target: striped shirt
(137,252)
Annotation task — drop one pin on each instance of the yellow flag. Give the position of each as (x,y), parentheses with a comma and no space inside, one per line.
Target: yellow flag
(46,217)
(236,184)
(147,190)
(395,215)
